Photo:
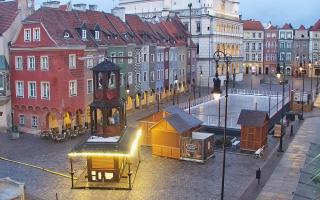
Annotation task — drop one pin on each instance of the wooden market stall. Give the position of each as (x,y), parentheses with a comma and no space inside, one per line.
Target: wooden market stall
(254,129)
(166,135)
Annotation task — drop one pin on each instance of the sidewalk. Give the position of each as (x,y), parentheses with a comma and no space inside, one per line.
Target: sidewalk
(284,179)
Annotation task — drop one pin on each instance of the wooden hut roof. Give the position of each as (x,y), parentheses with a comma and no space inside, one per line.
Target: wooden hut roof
(252,118)
(178,123)
(122,146)
(189,119)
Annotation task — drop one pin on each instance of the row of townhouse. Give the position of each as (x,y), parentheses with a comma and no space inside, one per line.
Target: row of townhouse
(267,47)
(54,52)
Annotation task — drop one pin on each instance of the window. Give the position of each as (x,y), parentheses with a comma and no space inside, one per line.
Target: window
(144,57)
(121,79)
(314,58)
(315,46)
(120,54)
(260,46)
(44,63)
(2,77)
(289,35)
(32,90)
(101,58)
(84,34)
(282,56)
(130,55)
(253,46)
(90,62)
(259,57)
(72,61)
(247,46)
(19,89)
(152,76)
(253,57)
(19,62)
(161,75)
(36,34)
(247,57)
(166,74)
(254,35)
(145,77)
(198,27)
(129,78)
(152,58)
(73,88)
(282,35)
(27,35)
(260,35)
(138,78)
(282,45)
(31,63)
(89,86)
(158,75)
(97,35)
(113,55)
(21,120)
(34,121)
(289,45)
(288,57)
(45,90)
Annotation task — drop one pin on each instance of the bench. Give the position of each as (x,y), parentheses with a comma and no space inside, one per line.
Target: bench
(259,153)
(235,142)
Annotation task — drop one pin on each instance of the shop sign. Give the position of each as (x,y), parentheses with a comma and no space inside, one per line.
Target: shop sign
(191,148)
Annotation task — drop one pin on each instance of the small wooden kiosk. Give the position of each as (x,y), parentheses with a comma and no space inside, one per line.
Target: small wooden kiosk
(254,129)
(111,153)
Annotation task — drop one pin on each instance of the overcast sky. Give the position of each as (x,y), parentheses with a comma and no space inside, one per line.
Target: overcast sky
(297,12)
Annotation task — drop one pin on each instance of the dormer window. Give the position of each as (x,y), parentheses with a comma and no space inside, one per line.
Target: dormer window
(97,35)
(36,34)
(27,35)
(66,35)
(84,34)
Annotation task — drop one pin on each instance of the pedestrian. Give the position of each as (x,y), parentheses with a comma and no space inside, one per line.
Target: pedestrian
(258,175)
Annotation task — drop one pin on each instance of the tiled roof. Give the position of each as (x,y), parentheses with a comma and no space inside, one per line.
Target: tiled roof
(287,26)
(8,12)
(252,25)
(301,28)
(272,28)
(252,118)
(316,26)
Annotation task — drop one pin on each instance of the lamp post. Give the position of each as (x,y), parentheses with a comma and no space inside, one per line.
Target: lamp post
(174,88)
(317,89)
(221,56)
(282,81)
(311,76)
(126,102)
(190,51)
(200,84)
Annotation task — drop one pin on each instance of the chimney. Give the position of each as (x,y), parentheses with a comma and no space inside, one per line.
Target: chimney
(93,7)
(119,12)
(51,4)
(80,6)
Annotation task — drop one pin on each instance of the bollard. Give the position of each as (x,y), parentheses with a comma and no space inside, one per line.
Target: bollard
(291,130)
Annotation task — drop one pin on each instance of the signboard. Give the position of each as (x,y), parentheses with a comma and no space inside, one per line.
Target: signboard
(298,97)
(191,149)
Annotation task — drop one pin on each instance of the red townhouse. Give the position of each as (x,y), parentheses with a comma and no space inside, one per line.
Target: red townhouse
(271,49)
(47,74)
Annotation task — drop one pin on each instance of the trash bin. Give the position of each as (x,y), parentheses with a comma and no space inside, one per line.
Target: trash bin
(290,116)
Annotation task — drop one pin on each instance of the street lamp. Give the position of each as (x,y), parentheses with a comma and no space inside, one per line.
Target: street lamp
(221,56)
(317,89)
(126,102)
(200,83)
(174,88)
(282,81)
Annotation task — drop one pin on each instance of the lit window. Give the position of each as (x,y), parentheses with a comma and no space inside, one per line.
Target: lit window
(73,88)
(129,78)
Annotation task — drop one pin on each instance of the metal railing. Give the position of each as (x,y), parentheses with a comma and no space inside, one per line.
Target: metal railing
(196,102)
(253,92)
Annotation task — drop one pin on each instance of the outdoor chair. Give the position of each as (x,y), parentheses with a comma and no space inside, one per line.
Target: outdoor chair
(259,153)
